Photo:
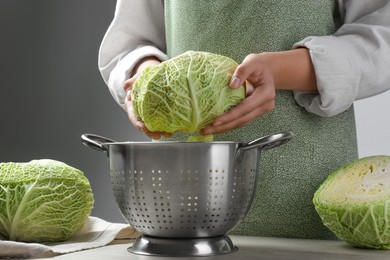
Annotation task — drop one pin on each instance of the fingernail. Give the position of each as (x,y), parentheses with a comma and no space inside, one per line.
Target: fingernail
(235,82)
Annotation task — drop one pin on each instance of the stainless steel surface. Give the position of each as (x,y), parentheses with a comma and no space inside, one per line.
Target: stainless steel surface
(184,189)
(182,247)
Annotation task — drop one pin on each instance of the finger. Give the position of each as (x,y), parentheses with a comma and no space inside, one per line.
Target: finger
(127,87)
(154,135)
(238,122)
(166,135)
(243,71)
(138,124)
(256,105)
(128,95)
(258,99)
(158,135)
(128,84)
(248,88)
(262,94)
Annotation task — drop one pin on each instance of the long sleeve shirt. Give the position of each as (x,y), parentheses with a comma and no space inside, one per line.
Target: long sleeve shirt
(351,64)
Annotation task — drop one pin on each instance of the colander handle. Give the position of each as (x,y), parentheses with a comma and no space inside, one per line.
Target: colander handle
(264,143)
(268,142)
(96,141)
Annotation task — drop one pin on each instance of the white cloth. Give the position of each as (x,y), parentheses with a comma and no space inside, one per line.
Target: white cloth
(351,64)
(95,233)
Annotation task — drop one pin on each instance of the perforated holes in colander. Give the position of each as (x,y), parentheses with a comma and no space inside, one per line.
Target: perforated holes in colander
(156,202)
(193,200)
(215,198)
(247,186)
(134,207)
(118,184)
(161,199)
(188,199)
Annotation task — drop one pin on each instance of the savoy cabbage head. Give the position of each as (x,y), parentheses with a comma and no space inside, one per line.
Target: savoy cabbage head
(42,201)
(185,93)
(354,202)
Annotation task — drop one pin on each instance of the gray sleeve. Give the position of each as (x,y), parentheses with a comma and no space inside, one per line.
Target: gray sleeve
(353,63)
(137,31)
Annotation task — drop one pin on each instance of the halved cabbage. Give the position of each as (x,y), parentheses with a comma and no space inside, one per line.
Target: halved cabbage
(354,202)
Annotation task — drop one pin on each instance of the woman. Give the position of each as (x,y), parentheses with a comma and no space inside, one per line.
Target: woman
(304,62)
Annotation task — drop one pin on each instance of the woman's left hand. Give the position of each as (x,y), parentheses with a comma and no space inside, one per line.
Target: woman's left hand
(255,72)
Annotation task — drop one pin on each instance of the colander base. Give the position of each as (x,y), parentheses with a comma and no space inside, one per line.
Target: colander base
(152,246)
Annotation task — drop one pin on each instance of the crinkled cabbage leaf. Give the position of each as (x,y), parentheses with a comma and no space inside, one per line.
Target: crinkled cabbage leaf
(42,201)
(354,202)
(185,93)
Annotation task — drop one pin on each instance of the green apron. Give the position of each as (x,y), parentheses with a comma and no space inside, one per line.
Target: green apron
(290,174)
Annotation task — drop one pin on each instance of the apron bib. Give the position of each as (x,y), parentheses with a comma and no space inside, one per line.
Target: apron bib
(290,174)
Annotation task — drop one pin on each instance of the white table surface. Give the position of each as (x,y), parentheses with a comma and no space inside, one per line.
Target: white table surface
(258,248)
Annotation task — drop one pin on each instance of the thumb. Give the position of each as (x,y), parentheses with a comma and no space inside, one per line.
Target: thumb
(128,84)
(241,74)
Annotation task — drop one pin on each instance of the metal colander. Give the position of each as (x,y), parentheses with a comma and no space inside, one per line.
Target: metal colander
(184,189)
(173,201)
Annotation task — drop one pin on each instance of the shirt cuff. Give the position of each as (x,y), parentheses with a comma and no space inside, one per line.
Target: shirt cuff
(337,78)
(123,69)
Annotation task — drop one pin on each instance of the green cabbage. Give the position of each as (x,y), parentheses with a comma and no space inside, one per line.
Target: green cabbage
(185,93)
(354,202)
(42,201)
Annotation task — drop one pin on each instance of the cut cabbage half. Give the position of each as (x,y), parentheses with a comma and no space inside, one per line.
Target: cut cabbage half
(354,202)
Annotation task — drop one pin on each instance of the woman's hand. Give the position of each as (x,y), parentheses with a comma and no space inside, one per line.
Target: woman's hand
(262,74)
(127,86)
(257,76)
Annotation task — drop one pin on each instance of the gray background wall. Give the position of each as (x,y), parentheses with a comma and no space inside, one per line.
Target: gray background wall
(52,92)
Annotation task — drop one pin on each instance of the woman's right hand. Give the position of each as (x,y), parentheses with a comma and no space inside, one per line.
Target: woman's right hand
(127,86)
